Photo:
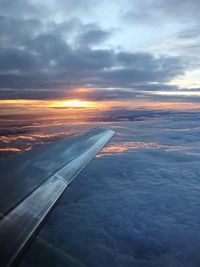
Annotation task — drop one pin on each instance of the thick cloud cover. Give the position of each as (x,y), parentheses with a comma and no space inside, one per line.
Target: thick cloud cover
(135,205)
(47,59)
(56,45)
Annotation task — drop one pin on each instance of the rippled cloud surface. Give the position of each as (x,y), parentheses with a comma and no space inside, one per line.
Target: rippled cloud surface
(136,204)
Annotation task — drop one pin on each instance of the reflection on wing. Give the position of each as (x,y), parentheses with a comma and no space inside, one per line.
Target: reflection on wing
(31,184)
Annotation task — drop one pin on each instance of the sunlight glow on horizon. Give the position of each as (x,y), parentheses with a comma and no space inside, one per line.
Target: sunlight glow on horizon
(74,103)
(77,108)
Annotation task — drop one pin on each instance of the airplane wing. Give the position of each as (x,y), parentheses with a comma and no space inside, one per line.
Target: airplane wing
(32,182)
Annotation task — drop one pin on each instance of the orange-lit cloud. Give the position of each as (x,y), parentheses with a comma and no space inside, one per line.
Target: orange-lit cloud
(31,137)
(12,149)
(78,109)
(121,147)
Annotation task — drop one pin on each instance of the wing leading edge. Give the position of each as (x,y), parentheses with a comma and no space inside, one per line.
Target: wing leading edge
(20,221)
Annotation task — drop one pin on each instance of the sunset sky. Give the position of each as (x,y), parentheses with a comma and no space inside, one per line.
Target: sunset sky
(70,66)
(99,54)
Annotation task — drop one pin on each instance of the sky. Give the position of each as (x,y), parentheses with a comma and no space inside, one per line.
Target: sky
(69,65)
(105,53)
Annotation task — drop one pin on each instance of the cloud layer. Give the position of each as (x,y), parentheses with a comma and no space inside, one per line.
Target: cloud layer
(136,205)
(60,44)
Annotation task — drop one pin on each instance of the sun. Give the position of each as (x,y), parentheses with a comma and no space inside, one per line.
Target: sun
(74,103)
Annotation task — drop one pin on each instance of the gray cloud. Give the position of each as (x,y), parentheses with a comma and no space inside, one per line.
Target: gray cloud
(50,57)
(92,37)
(162,10)
(39,52)
(46,59)
(187,9)
(22,8)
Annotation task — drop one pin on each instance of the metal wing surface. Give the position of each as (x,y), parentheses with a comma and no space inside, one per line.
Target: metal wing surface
(31,183)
